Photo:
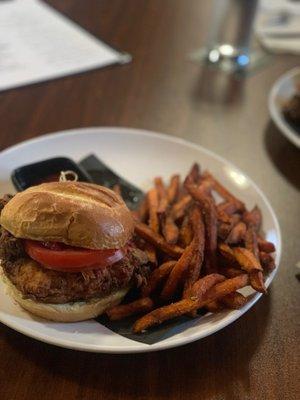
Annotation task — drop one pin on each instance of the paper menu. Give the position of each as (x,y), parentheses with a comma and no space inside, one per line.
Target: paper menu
(37,43)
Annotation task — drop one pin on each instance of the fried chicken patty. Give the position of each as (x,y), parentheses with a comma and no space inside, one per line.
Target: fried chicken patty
(50,286)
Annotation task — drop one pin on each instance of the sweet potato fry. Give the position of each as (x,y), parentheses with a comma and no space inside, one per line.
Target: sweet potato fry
(117,189)
(251,241)
(256,277)
(201,286)
(214,306)
(253,218)
(157,240)
(257,281)
(193,175)
(267,261)
(205,187)
(227,252)
(223,192)
(223,217)
(151,253)
(185,233)
(170,230)
(188,305)
(246,259)
(152,197)
(230,272)
(224,228)
(173,189)
(178,209)
(265,246)
(228,207)
(194,268)
(142,211)
(160,187)
(237,233)
(234,300)
(162,195)
(125,310)
(165,313)
(210,219)
(175,277)
(179,308)
(224,288)
(192,273)
(157,276)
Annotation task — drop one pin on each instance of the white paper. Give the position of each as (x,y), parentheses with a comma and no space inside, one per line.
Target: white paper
(38,43)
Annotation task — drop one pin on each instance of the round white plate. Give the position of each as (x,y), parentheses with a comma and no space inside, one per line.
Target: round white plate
(283,89)
(138,156)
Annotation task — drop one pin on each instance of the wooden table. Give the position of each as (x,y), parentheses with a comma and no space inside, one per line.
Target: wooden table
(257,356)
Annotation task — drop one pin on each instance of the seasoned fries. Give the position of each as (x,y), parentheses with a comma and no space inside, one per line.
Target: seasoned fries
(117,189)
(153,208)
(265,246)
(210,217)
(169,229)
(237,233)
(234,300)
(195,302)
(223,192)
(164,313)
(257,281)
(227,252)
(246,259)
(151,253)
(267,261)
(126,310)
(193,175)
(230,272)
(196,264)
(177,272)
(157,276)
(201,251)
(179,308)
(142,212)
(179,208)
(162,195)
(200,287)
(173,189)
(157,240)
(185,233)
(256,277)
(253,218)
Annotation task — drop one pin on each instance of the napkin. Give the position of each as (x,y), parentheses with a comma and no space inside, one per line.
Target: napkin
(278,26)
(37,43)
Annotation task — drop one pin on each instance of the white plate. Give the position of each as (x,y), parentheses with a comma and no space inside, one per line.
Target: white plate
(138,156)
(283,89)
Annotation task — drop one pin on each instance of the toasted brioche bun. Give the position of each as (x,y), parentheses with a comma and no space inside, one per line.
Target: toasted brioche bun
(68,312)
(75,213)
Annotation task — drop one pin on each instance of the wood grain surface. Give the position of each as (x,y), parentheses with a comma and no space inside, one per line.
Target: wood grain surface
(257,357)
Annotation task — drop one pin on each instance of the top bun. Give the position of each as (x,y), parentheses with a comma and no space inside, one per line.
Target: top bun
(75,213)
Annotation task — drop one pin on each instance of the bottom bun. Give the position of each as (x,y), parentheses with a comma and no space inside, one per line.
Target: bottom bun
(68,312)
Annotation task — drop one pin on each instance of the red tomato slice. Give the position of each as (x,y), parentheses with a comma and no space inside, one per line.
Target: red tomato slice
(71,259)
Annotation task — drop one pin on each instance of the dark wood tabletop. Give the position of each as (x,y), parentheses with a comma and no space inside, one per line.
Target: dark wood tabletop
(256,357)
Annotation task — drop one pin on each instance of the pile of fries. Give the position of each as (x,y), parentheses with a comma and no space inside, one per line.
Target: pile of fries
(201,251)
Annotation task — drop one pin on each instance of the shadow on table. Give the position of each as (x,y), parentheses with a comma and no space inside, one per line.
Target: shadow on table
(215,86)
(214,367)
(284,155)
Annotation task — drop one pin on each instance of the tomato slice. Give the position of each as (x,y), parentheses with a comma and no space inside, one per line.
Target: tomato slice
(61,257)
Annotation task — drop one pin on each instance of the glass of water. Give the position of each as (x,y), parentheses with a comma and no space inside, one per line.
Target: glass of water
(228,45)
